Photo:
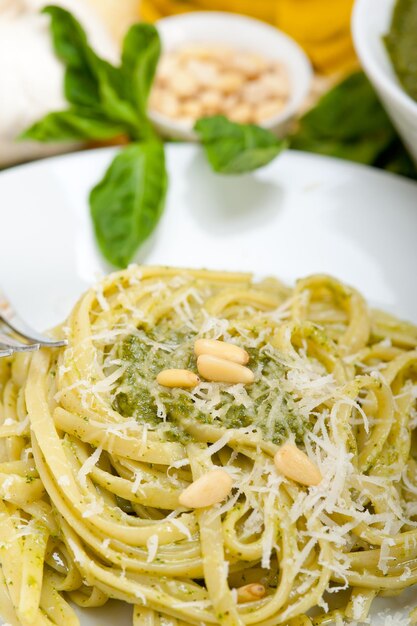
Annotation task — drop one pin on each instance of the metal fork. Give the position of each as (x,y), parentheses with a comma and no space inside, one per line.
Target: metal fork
(17,336)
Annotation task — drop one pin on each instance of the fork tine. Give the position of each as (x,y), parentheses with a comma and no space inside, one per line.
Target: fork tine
(9,344)
(10,318)
(19,327)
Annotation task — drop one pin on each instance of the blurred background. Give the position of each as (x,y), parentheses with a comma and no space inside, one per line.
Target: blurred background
(31,76)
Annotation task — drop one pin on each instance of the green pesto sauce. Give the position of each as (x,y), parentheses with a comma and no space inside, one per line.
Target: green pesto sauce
(401,44)
(271,410)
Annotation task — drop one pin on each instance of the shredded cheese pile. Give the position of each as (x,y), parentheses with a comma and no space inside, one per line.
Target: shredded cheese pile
(95,454)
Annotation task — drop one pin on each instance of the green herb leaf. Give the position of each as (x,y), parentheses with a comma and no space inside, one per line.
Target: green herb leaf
(71,47)
(127,204)
(114,103)
(91,86)
(69,38)
(348,111)
(73,124)
(236,148)
(397,160)
(89,80)
(141,52)
(118,94)
(80,89)
(362,150)
(126,89)
(350,123)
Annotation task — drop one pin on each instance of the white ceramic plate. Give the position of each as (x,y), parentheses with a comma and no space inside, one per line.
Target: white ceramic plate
(302,214)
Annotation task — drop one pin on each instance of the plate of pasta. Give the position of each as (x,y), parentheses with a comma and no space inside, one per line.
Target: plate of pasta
(229,435)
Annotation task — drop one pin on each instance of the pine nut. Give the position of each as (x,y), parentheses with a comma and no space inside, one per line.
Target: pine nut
(207,490)
(210,98)
(229,103)
(177,378)
(191,109)
(275,85)
(222,81)
(221,349)
(254,93)
(269,109)
(251,65)
(242,113)
(183,85)
(296,465)
(222,371)
(203,72)
(250,593)
(230,82)
(167,67)
(164,102)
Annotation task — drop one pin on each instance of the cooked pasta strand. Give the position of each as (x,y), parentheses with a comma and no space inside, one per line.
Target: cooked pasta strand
(95,455)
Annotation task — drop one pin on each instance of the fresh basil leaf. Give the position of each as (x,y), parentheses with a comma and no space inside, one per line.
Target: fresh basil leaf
(349,110)
(140,55)
(79,89)
(126,88)
(114,103)
(118,93)
(71,124)
(397,160)
(89,80)
(127,204)
(71,47)
(362,150)
(350,123)
(236,148)
(69,39)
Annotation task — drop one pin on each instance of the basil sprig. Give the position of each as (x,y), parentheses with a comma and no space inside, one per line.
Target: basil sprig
(106,101)
(236,148)
(127,204)
(349,122)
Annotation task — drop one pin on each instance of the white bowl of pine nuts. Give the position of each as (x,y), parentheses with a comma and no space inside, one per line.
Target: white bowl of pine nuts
(216,63)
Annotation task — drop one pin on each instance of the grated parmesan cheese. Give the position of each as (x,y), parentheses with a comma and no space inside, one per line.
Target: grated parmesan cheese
(94,508)
(88,465)
(181,527)
(64,481)
(152,545)
(78,555)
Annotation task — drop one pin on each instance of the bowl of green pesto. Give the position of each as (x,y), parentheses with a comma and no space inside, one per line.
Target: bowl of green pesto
(385,39)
